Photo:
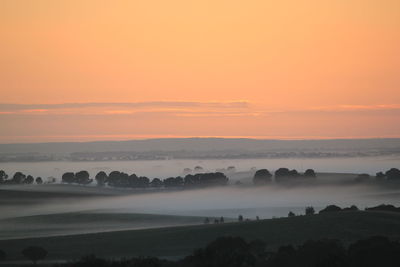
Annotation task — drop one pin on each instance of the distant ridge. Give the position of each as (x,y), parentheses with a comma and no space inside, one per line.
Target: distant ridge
(201,144)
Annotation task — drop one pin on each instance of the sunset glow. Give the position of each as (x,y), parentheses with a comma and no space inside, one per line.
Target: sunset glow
(291,69)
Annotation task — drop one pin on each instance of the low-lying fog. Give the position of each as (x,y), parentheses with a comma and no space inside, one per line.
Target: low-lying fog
(122,209)
(167,168)
(229,201)
(60,202)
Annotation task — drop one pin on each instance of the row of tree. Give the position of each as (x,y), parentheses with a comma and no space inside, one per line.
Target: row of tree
(333,208)
(19,178)
(263,176)
(121,179)
(237,252)
(391,175)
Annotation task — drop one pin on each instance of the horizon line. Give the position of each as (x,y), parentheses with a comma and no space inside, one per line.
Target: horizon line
(127,138)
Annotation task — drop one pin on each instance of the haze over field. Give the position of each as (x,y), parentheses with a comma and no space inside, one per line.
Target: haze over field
(62,209)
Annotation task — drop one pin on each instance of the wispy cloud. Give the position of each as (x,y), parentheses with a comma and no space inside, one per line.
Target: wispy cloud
(183,109)
(340,108)
(150,104)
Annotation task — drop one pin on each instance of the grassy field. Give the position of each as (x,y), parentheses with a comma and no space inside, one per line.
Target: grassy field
(86,222)
(175,242)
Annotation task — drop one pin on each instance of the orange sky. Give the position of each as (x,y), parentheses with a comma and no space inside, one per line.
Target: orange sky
(264,69)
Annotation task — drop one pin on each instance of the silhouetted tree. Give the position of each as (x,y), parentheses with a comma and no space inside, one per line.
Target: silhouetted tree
(179,181)
(34,254)
(68,177)
(143,182)
(222,219)
(206,220)
(101,178)
(39,180)
(393,174)
(211,179)
(310,173)
(262,176)
(18,178)
(291,214)
(82,177)
(310,210)
(29,179)
(192,180)
(118,179)
(156,182)
(284,174)
(132,181)
(240,218)
(3,176)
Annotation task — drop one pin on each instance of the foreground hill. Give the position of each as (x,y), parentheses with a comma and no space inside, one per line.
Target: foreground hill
(177,242)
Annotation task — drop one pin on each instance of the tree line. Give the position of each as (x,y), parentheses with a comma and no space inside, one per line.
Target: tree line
(263,176)
(237,252)
(122,179)
(19,178)
(333,208)
(391,175)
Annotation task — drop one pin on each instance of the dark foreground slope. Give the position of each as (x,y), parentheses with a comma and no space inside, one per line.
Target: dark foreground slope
(177,242)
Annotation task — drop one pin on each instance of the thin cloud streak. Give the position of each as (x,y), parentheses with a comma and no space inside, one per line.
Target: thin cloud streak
(339,108)
(150,104)
(189,109)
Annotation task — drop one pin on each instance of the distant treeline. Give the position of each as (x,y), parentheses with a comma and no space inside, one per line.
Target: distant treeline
(237,252)
(283,175)
(121,179)
(263,176)
(333,208)
(19,178)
